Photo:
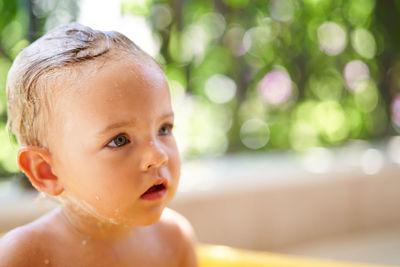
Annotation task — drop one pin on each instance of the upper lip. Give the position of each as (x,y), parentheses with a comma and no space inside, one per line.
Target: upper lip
(159,181)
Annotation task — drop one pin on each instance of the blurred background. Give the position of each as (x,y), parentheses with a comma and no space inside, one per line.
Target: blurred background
(246,76)
(287,114)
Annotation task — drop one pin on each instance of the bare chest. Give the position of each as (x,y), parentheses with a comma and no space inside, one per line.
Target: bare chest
(85,255)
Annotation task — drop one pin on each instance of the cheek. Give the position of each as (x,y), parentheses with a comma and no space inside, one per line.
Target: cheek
(110,174)
(90,176)
(174,163)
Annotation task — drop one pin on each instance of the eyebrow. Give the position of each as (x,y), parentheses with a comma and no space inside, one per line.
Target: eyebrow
(130,123)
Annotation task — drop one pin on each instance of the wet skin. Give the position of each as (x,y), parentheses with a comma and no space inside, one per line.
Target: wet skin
(114,157)
(114,143)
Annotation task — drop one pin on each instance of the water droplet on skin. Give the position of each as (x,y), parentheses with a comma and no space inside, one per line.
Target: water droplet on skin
(97,198)
(84,242)
(46,261)
(116,211)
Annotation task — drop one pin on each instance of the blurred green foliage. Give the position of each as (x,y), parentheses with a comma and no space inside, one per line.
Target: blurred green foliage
(13,29)
(21,22)
(306,73)
(254,75)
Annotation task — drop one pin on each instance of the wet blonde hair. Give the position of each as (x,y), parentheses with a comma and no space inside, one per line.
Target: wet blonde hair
(30,79)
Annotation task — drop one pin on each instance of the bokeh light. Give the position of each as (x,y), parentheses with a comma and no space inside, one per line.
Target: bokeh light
(395,109)
(394,149)
(282,10)
(200,128)
(371,161)
(162,15)
(57,17)
(254,133)
(135,7)
(214,23)
(327,85)
(11,34)
(303,135)
(358,12)
(303,131)
(234,40)
(366,96)
(252,107)
(363,43)
(220,88)
(194,41)
(257,38)
(318,159)
(275,87)
(330,119)
(107,9)
(332,38)
(354,72)
(355,119)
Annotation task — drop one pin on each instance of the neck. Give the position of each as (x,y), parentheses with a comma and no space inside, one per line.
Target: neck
(88,223)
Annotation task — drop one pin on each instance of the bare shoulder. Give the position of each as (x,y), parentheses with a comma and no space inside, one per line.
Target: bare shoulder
(178,231)
(23,245)
(17,244)
(177,224)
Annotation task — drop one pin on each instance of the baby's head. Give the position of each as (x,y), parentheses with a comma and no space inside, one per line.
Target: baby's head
(92,114)
(32,80)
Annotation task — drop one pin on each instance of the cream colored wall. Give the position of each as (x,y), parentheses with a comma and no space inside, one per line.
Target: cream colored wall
(272,216)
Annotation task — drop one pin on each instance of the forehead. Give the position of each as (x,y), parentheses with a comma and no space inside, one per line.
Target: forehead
(117,65)
(112,90)
(111,76)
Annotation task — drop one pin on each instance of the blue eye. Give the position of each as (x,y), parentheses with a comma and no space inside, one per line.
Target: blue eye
(165,130)
(118,141)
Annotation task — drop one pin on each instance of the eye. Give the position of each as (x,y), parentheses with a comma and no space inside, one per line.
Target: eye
(165,129)
(118,141)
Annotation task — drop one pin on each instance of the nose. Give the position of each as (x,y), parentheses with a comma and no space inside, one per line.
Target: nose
(154,156)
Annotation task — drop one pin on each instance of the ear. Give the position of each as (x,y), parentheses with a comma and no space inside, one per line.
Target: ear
(35,162)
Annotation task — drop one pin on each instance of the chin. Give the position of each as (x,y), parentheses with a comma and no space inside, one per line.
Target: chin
(154,216)
(151,221)
(147,218)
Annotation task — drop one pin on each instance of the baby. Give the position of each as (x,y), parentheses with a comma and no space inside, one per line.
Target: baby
(92,114)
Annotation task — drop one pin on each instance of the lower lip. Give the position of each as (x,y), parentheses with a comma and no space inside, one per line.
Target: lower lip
(154,195)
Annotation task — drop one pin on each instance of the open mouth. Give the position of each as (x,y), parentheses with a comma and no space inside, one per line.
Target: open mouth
(157,191)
